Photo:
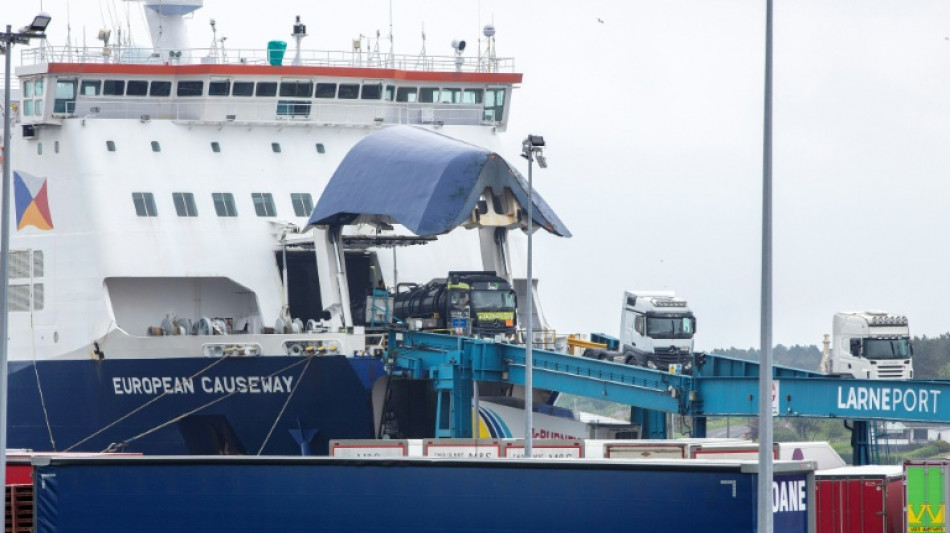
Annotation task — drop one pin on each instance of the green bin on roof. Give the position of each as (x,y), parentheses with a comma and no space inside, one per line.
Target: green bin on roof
(275,52)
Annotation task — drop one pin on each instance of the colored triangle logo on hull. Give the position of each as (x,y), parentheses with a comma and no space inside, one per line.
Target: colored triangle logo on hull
(32,204)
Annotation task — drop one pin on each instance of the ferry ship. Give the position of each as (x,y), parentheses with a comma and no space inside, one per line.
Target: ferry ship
(166,294)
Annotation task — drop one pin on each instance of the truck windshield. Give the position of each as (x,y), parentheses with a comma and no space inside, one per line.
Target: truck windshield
(670,327)
(887,348)
(483,300)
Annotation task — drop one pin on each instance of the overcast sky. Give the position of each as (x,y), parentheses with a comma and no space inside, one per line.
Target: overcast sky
(652,111)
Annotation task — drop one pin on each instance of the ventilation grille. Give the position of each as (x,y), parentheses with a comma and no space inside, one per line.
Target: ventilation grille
(19,298)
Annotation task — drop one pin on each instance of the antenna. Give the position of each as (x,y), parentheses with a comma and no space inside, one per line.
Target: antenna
(215,42)
(69,30)
(214,39)
(300,31)
(376,48)
(479,48)
(392,58)
(422,53)
(491,62)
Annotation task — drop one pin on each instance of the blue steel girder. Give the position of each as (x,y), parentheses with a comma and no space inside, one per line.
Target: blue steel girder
(614,382)
(721,386)
(420,353)
(856,399)
(713,365)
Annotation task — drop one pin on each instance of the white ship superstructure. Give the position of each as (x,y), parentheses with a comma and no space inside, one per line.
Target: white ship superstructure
(171,181)
(158,197)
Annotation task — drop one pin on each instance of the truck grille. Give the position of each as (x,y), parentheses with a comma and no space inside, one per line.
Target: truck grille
(890,371)
(666,357)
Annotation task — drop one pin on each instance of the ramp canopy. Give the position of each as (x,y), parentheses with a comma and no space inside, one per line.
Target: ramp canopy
(429,183)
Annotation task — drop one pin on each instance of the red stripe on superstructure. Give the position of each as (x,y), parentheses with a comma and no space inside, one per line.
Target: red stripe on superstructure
(264,70)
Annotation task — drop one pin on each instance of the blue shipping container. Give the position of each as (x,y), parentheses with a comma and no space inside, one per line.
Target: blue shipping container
(246,494)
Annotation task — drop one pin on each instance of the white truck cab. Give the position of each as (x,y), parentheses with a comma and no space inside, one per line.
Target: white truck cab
(657,328)
(870,345)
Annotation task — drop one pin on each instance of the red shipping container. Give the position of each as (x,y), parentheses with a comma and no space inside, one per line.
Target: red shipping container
(862,499)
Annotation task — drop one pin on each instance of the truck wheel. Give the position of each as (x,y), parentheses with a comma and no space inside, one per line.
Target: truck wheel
(642,360)
(629,359)
(590,353)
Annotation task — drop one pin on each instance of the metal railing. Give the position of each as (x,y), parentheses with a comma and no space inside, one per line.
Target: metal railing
(310,58)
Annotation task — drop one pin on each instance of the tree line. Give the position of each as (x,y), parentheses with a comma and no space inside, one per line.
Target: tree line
(931,356)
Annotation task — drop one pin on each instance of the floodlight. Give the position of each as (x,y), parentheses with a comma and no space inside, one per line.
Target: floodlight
(40,22)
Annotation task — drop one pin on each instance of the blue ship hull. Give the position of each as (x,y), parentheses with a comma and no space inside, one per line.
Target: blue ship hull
(280,405)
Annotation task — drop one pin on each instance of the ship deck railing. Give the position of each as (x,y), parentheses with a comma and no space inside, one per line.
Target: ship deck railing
(288,111)
(308,58)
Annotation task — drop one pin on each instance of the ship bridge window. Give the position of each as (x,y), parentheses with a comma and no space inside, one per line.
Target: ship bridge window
(191,88)
(264,204)
(160,88)
(372,91)
(33,89)
(302,202)
(293,108)
(450,96)
(348,91)
(472,96)
(65,96)
(406,94)
(90,87)
(144,204)
(390,93)
(38,86)
(296,89)
(224,204)
(428,95)
(113,87)
(243,88)
(266,88)
(494,105)
(219,88)
(136,88)
(185,204)
(326,90)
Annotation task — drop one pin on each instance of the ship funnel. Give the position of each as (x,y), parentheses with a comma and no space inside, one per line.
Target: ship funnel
(167,26)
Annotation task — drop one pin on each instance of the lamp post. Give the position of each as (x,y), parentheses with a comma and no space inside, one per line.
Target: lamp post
(765,518)
(7,40)
(531,149)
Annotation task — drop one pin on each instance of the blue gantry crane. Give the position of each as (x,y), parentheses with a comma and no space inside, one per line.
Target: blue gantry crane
(718,386)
